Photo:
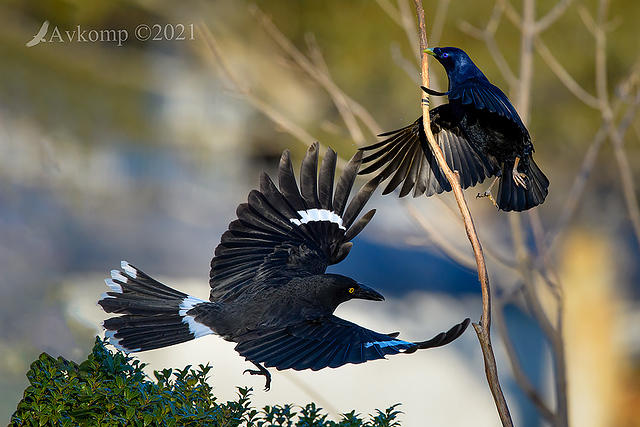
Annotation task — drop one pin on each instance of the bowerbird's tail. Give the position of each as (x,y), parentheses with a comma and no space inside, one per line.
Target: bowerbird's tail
(512,197)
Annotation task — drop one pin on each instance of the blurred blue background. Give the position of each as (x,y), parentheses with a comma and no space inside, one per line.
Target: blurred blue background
(143,151)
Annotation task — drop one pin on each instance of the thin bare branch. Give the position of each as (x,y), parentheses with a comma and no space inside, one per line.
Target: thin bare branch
(488,36)
(494,20)
(601,64)
(526,59)
(544,51)
(496,55)
(518,373)
(546,270)
(438,239)
(589,160)
(337,96)
(626,177)
(588,20)
(390,10)
(406,65)
(552,16)
(364,115)
(598,30)
(510,12)
(439,21)
(527,26)
(580,181)
(472,30)
(529,287)
(563,75)
(492,253)
(314,70)
(278,118)
(483,327)
(554,335)
(408,24)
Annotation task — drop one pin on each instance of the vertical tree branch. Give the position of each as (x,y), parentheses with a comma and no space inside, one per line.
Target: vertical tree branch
(526,59)
(518,373)
(628,189)
(563,75)
(553,334)
(438,21)
(626,178)
(529,30)
(483,327)
(488,36)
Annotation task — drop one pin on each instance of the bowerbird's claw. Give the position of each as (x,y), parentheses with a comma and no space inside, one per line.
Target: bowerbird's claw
(520,178)
(489,195)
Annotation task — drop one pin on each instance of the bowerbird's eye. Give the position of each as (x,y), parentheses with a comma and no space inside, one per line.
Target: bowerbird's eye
(445,55)
(352,290)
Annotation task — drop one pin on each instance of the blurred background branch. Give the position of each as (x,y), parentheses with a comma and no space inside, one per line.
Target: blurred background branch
(101,143)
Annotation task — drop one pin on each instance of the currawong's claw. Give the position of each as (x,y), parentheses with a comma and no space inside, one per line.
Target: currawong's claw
(262,371)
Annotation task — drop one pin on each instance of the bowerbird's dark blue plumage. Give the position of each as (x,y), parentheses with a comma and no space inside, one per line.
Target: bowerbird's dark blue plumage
(480,134)
(269,290)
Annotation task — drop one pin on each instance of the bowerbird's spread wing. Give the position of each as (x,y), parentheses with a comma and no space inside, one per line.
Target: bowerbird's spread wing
(330,342)
(289,231)
(406,155)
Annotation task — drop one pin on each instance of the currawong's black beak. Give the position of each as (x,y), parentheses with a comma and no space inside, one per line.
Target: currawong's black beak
(365,292)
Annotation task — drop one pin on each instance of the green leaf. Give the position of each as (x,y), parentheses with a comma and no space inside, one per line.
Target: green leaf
(112,389)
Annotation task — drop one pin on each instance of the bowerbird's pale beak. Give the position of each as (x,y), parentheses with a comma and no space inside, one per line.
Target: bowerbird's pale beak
(429,51)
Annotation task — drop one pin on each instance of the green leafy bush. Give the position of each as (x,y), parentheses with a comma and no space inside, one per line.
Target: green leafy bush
(112,389)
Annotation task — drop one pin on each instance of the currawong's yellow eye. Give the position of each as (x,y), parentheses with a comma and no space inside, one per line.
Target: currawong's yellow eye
(352,290)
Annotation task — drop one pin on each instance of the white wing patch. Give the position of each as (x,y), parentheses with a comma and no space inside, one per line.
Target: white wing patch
(196,328)
(382,344)
(313,215)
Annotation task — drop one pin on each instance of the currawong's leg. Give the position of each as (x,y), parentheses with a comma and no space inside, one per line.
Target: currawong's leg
(261,371)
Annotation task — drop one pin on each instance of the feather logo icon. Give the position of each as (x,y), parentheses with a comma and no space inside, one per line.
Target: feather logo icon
(39,37)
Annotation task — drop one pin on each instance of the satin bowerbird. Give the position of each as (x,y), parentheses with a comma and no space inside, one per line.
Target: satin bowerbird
(481,136)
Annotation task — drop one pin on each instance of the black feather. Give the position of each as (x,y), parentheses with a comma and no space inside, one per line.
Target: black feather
(345,183)
(309,177)
(327,173)
(287,182)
